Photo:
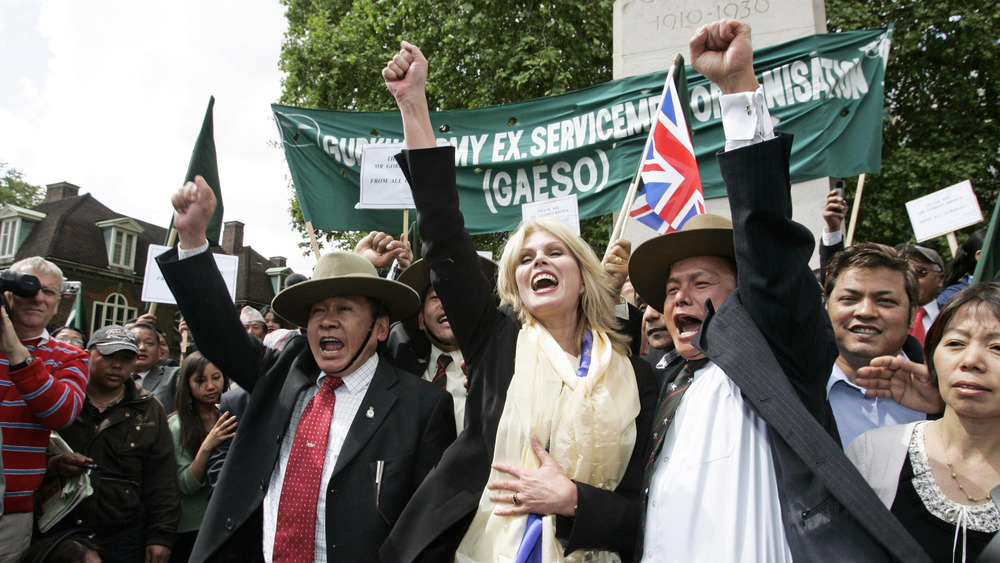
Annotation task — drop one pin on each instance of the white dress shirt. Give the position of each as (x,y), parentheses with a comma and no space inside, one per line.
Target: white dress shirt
(455,384)
(349,398)
(713,495)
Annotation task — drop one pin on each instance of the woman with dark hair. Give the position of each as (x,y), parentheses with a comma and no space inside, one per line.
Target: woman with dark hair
(936,476)
(962,266)
(197,429)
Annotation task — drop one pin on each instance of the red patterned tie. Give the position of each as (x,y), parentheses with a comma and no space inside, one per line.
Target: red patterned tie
(295,537)
(440,377)
(918,326)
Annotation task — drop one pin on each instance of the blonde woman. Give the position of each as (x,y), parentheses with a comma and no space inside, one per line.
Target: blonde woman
(550,465)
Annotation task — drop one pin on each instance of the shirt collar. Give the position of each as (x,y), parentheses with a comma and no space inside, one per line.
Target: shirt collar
(358,379)
(42,338)
(932,307)
(838,374)
(456,356)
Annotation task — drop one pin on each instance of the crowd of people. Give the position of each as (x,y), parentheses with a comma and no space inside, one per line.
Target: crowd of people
(690,400)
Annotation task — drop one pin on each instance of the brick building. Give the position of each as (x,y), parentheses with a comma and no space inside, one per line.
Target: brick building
(106,251)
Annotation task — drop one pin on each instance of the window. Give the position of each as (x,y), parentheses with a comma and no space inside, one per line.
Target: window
(8,237)
(122,249)
(113,311)
(122,237)
(16,223)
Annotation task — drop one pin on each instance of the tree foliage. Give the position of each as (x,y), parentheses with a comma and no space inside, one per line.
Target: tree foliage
(15,191)
(942,106)
(481,53)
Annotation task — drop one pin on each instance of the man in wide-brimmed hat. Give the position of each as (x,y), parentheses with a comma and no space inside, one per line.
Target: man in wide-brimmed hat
(743,465)
(334,440)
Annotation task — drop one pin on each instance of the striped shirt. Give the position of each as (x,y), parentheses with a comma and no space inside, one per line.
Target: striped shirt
(46,395)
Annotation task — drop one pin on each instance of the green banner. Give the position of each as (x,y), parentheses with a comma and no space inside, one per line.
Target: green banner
(826,89)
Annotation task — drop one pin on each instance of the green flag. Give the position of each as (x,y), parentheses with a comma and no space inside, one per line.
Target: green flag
(76,319)
(205,164)
(825,89)
(988,265)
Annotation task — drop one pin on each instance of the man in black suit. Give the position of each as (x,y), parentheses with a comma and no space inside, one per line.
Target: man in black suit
(384,429)
(746,468)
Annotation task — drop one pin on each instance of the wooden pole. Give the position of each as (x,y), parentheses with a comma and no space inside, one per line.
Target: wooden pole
(952,243)
(854,211)
(312,239)
(406,226)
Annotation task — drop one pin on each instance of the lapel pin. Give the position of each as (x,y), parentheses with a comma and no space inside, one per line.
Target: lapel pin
(371,412)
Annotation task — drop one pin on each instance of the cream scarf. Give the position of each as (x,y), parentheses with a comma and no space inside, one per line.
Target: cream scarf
(588,422)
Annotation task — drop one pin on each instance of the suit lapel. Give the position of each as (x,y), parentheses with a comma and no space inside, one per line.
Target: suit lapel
(152,379)
(378,401)
(302,373)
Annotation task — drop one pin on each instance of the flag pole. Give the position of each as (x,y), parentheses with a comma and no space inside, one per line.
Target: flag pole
(854,211)
(406,226)
(312,239)
(634,187)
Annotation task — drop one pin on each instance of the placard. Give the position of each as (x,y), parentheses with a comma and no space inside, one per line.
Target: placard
(944,211)
(155,289)
(383,185)
(563,209)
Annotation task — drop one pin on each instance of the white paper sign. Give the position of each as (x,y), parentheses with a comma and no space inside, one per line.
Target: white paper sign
(563,209)
(154,287)
(383,185)
(944,211)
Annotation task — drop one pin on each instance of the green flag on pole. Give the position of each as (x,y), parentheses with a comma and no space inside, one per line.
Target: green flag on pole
(205,164)
(988,265)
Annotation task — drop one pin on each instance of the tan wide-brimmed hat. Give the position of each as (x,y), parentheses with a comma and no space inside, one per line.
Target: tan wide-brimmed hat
(649,266)
(344,274)
(418,276)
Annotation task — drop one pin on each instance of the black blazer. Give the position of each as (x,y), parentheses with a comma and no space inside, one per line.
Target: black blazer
(413,423)
(773,338)
(435,521)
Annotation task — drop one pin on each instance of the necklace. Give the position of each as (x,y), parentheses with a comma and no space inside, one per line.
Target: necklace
(951,469)
(101,405)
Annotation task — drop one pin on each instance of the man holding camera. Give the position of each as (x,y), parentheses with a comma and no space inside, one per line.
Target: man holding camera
(42,384)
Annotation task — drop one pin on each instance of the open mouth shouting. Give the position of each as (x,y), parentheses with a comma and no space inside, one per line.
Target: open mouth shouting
(329,345)
(543,282)
(687,326)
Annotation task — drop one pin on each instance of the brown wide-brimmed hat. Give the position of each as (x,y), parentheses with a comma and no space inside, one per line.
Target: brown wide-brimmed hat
(344,274)
(418,276)
(649,266)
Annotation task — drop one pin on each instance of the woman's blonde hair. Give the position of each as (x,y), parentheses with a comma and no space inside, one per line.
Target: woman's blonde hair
(596,307)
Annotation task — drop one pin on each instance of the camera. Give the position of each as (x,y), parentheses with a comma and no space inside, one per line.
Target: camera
(70,288)
(21,285)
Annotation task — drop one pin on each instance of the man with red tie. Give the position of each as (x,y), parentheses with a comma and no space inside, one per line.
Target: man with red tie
(929,268)
(334,439)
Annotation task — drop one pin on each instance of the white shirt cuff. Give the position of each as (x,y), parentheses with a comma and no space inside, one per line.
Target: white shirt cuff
(745,118)
(830,239)
(185,253)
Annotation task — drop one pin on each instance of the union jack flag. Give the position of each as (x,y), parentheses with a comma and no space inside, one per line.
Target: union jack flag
(671,192)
